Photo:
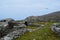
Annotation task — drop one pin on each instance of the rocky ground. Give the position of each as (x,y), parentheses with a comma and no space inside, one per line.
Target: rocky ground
(15,32)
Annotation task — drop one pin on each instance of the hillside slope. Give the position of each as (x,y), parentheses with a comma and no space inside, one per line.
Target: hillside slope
(42,34)
(55,16)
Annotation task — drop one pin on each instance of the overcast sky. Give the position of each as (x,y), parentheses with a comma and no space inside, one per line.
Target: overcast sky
(20,9)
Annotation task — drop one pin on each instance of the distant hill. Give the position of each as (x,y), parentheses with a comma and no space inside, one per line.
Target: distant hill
(54,16)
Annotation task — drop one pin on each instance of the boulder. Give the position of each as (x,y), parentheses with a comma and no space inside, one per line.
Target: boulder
(56,28)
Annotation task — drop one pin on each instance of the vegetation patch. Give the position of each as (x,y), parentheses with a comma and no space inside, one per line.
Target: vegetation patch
(43,34)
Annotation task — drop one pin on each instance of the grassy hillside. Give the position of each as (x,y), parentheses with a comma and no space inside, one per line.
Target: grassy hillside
(43,34)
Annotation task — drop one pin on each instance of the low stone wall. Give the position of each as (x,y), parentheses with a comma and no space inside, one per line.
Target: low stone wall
(36,25)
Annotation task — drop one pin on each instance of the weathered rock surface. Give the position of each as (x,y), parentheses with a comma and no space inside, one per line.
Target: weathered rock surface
(56,28)
(15,32)
(53,17)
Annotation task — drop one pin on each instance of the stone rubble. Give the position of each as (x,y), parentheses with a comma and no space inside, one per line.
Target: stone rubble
(16,33)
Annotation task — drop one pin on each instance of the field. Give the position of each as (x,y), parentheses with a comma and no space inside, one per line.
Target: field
(44,33)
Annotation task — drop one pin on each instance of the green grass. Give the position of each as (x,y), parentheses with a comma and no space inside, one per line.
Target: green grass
(43,34)
(31,27)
